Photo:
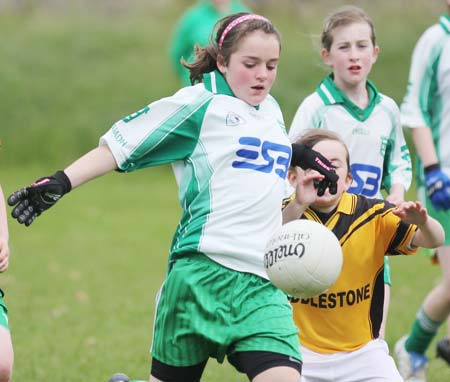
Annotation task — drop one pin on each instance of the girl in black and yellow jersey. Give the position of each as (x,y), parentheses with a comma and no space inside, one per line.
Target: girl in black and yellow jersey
(339,329)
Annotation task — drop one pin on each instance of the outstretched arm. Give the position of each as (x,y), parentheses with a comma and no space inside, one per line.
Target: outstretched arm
(31,201)
(430,233)
(95,163)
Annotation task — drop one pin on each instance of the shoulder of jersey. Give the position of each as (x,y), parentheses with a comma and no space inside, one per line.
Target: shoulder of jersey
(431,36)
(313,99)
(389,102)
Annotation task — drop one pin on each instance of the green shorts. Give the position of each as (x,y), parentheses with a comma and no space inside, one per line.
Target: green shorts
(206,310)
(3,312)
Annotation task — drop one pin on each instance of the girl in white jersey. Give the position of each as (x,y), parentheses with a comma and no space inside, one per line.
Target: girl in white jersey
(369,122)
(426,111)
(226,140)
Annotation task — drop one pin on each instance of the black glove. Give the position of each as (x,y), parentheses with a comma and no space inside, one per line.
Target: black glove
(31,201)
(305,157)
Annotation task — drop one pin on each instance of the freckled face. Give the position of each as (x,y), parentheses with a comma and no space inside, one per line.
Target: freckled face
(351,54)
(252,68)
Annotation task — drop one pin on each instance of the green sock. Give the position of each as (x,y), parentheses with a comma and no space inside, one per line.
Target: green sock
(422,333)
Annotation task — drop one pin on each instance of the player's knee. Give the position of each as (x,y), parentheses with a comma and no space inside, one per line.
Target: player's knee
(444,292)
(6,364)
(445,284)
(5,371)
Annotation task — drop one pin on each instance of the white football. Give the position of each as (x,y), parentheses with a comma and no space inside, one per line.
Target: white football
(303,258)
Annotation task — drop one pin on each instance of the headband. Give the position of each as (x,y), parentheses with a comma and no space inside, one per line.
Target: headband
(238,21)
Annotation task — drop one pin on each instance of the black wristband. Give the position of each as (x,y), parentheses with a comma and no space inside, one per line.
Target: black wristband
(64,180)
(432,167)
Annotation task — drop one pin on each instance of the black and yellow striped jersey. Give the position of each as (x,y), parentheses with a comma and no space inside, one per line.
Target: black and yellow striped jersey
(349,314)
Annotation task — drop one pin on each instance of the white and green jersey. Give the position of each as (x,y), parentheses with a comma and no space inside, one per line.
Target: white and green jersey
(379,156)
(230,160)
(427,100)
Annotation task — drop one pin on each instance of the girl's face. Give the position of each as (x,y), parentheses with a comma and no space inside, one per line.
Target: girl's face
(336,153)
(351,55)
(252,68)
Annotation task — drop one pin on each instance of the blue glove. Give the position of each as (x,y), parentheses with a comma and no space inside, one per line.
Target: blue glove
(438,187)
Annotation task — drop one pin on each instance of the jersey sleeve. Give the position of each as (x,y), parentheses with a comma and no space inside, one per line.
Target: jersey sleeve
(163,132)
(397,159)
(307,117)
(397,235)
(422,81)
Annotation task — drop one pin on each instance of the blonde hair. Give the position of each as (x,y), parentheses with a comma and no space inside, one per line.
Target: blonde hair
(342,17)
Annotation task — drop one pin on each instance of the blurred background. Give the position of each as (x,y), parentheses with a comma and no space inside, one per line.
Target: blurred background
(72,68)
(82,279)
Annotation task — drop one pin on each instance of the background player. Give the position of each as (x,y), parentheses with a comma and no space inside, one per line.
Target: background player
(6,348)
(195,27)
(426,110)
(218,135)
(368,121)
(339,328)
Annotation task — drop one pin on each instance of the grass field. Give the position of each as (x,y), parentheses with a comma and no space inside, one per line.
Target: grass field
(83,278)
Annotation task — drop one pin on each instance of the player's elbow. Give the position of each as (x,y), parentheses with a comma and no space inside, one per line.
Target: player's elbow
(430,237)
(441,239)
(438,238)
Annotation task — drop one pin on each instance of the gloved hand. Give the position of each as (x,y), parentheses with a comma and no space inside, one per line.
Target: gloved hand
(438,187)
(305,157)
(31,201)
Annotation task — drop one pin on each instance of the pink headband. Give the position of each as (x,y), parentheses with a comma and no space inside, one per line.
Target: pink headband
(238,21)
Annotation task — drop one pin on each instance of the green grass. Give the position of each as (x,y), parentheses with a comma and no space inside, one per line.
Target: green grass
(83,278)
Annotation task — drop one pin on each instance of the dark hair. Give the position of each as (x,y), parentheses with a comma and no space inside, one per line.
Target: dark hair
(206,57)
(313,136)
(345,16)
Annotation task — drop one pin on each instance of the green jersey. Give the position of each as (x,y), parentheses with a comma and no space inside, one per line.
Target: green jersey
(195,27)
